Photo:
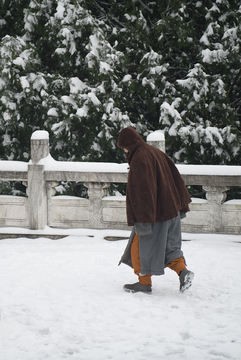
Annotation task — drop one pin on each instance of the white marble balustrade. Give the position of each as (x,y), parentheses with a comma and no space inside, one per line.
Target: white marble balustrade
(42,207)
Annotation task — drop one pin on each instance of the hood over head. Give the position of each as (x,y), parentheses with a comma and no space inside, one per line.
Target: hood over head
(129,139)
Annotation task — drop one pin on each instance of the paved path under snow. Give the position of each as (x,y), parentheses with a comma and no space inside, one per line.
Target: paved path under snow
(63,299)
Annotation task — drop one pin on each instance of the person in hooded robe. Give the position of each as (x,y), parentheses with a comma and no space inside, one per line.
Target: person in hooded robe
(156,200)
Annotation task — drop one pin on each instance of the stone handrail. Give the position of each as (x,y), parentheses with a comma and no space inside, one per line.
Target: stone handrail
(42,174)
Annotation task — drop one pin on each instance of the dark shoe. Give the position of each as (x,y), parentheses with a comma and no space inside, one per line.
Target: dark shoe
(137,287)
(185,278)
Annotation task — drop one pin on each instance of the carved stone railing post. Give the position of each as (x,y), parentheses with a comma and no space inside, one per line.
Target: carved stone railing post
(96,191)
(157,139)
(37,192)
(215,195)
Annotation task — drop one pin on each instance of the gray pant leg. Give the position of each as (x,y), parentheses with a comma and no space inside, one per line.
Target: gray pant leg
(174,240)
(161,246)
(152,249)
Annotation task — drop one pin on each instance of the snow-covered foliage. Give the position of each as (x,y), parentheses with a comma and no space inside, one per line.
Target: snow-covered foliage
(202,119)
(83,70)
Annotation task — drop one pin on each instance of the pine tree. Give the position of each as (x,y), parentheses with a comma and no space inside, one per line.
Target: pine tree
(83,70)
(204,115)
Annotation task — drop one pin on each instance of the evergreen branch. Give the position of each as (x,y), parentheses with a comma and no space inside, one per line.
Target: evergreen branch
(234,82)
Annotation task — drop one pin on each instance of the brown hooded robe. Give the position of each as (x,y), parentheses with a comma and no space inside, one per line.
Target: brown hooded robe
(155,188)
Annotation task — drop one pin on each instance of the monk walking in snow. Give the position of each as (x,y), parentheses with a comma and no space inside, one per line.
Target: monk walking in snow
(156,200)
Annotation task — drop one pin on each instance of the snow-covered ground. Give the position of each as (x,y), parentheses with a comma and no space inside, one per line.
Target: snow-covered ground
(64,299)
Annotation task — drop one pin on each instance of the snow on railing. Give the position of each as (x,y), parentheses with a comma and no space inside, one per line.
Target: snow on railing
(42,208)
